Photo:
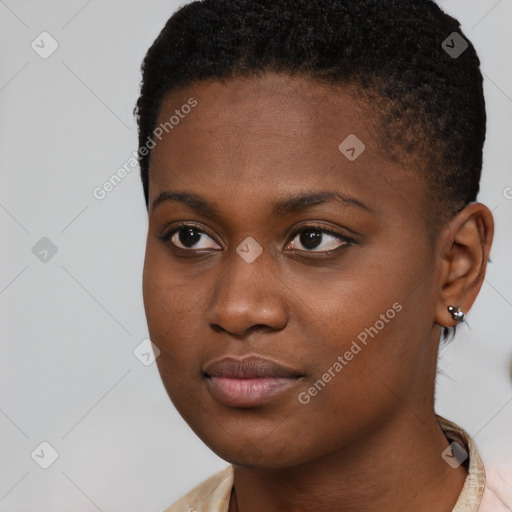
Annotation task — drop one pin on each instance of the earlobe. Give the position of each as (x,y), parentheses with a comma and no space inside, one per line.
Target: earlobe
(467,243)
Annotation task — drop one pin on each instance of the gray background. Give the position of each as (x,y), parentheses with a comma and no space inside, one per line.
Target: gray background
(70,324)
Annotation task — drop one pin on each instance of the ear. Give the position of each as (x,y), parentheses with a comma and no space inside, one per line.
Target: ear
(465,245)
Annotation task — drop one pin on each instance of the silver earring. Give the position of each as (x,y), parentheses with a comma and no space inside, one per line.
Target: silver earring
(457,313)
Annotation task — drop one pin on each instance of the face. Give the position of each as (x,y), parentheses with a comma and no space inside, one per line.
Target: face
(289,282)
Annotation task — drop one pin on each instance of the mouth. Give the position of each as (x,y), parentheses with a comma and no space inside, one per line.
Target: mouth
(248,382)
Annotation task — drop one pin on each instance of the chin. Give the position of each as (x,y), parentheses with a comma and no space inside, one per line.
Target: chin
(254,453)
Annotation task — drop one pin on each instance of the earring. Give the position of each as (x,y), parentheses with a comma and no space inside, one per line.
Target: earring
(457,313)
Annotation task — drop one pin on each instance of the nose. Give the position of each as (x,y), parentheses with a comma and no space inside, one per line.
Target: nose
(247,296)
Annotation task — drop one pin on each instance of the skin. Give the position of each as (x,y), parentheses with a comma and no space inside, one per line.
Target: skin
(369,440)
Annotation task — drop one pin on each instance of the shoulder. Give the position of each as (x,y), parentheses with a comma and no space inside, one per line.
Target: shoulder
(488,486)
(211,495)
(497,495)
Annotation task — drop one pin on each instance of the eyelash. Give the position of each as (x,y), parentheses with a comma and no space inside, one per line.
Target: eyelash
(167,236)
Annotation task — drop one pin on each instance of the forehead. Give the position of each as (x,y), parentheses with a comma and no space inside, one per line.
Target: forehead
(249,111)
(275,134)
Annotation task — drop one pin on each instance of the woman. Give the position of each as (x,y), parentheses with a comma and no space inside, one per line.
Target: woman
(311,169)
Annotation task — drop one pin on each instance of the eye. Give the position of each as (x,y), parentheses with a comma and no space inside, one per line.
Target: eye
(314,237)
(188,236)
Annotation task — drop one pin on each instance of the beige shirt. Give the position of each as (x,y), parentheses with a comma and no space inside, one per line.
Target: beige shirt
(477,495)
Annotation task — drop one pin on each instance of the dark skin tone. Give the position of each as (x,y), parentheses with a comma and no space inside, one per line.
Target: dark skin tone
(369,440)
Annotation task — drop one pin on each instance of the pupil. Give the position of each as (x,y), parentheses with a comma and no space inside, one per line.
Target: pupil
(310,239)
(187,237)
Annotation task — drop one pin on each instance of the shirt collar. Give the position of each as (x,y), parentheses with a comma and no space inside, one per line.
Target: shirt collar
(472,492)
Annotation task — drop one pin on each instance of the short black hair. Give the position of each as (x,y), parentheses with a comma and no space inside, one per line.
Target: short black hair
(397,52)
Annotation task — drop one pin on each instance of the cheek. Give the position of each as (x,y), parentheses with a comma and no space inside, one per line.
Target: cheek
(171,308)
(361,351)
(167,295)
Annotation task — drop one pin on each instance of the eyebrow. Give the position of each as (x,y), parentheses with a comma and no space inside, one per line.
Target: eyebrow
(293,204)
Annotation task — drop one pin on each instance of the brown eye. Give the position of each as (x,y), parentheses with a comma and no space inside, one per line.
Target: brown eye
(190,237)
(314,239)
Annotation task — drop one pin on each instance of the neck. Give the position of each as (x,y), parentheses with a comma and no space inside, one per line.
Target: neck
(399,468)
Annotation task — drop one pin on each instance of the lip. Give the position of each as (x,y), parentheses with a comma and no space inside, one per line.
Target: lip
(248,382)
